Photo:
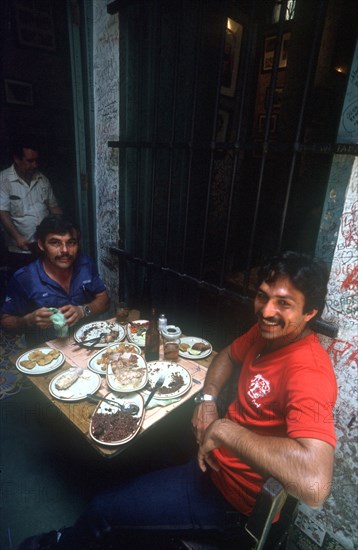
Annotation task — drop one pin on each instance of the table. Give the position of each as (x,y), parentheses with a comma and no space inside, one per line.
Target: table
(78,413)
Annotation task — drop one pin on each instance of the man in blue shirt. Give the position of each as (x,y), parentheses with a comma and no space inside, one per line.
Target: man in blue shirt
(61,278)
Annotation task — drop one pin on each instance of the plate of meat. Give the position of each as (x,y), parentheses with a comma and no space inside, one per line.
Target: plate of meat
(111,425)
(127,372)
(105,331)
(192,347)
(99,362)
(177,379)
(74,384)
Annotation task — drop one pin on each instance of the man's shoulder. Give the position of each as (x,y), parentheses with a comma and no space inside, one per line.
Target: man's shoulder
(25,274)
(8,174)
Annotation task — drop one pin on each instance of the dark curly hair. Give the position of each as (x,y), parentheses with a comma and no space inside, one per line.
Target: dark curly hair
(308,275)
(56,223)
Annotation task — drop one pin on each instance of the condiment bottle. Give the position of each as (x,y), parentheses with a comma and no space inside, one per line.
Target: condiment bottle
(152,337)
(162,322)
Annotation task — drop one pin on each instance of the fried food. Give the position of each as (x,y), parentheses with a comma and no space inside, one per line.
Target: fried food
(28,364)
(54,354)
(184,347)
(38,357)
(200,346)
(46,360)
(35,355)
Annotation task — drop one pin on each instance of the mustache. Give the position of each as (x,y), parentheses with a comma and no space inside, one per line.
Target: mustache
(270,319)
(62,256)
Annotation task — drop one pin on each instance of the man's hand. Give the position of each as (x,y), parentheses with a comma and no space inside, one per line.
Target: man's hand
(204,415)
(39,318)
(73,314)
(22,243)
(210,441)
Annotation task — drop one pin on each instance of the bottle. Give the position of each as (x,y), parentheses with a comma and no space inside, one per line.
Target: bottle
(162,322)
(151,350)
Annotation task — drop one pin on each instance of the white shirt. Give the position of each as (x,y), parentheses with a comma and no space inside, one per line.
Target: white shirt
(27,204)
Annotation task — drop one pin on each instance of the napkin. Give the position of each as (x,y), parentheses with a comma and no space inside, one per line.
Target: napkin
(59,322)
(160,402)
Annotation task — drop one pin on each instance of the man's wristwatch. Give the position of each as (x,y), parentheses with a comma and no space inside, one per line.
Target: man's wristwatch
(202,397)
(86,310)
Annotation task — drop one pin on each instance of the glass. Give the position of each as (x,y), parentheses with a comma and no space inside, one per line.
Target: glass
(122,313)
(171,350)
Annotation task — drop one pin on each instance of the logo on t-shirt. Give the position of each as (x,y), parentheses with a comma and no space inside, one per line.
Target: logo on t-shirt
(259,388)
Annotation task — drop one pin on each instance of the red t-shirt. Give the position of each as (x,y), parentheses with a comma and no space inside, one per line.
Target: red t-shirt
(289,392)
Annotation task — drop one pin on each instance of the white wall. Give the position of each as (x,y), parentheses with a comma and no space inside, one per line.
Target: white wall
(106,115)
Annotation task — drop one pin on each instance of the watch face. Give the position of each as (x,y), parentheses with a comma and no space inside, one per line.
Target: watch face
(86,310)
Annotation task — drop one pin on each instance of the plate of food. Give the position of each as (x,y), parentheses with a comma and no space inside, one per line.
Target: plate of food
(40,361)
(136,332)
(177,379)
(127,372)
(110,425)
(98,362)
(107,332)
(74,384)
(192,347)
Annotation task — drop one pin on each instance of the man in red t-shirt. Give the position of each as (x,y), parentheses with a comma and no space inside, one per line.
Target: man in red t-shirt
(280,424)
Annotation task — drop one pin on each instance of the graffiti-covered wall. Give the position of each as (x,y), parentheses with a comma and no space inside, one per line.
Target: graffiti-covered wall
(106,105)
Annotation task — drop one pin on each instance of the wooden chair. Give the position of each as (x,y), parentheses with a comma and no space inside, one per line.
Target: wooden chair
(259,532)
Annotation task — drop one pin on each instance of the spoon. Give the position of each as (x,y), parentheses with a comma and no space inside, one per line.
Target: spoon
(128,407)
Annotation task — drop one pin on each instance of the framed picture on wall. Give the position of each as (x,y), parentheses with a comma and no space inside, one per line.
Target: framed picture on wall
(269,52)
(35,26)
(262,124)
(277,97)
(232,46)
(18,93)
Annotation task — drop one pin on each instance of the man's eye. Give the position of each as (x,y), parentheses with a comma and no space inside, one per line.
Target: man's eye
(283,303)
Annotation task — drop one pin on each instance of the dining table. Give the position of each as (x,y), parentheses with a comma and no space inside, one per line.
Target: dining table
(79,412)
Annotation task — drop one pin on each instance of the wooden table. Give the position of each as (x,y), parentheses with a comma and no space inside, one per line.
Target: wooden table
(78,413)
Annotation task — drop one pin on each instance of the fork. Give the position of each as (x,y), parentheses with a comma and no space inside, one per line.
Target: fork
(158,384)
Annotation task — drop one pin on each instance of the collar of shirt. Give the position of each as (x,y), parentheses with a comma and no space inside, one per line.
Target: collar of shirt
(14,176)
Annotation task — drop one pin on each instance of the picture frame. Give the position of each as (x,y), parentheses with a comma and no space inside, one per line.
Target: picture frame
(277,97)
(35,25)
(222,125)
(232,47)
(262,123)
(269,52)
(18,93)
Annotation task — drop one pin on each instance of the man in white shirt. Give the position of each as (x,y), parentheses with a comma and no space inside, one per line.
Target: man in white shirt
(26,198)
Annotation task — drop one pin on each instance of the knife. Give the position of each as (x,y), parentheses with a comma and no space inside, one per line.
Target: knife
(157,385)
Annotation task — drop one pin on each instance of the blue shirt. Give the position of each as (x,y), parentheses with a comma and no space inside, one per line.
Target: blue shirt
(31,288)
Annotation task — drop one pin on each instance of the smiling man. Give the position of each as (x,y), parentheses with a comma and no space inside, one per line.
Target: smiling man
(61,278)
(281,422)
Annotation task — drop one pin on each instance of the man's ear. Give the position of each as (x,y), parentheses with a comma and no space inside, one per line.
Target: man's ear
(40,245)
(309,315)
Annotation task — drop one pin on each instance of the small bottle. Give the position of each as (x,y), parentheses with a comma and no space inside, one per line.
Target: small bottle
(152,338)
(162,322)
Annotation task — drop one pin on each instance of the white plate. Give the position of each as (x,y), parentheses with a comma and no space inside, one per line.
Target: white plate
(133,337)
(88,382)
(95,363)
(114,384)
(38,369)
(106,408)
(91,330)
(191,340)
(170,369)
